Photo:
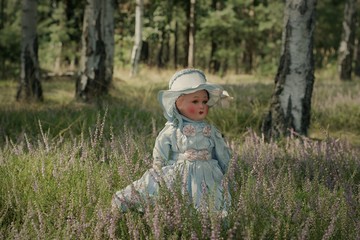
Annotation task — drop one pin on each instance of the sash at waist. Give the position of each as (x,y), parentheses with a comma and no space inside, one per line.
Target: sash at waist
(194,155)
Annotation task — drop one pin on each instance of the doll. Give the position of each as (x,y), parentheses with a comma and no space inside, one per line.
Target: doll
(187,146)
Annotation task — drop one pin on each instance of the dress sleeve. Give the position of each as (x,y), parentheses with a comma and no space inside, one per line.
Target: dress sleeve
(222,151)
(162,148)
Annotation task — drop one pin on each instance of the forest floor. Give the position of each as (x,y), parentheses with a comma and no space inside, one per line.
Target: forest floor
(335,104)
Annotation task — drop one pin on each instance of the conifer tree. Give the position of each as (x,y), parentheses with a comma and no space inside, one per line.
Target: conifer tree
(29,86)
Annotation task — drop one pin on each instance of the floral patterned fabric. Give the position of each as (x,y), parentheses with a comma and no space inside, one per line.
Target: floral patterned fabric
(196,151)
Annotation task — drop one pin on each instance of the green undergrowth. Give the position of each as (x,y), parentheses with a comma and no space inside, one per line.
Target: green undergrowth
(61,161)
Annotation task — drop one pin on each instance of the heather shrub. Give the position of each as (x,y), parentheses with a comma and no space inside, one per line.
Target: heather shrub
(62,161)
(57,188)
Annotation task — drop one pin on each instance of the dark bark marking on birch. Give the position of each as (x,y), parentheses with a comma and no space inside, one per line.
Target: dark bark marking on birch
(306,101)
(303,7)
(289,118)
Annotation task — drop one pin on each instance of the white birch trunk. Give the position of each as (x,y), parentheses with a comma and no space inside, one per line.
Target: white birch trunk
(191,51)
(136,51)
(97,55)
(29,84)
(346,48)
(291,101)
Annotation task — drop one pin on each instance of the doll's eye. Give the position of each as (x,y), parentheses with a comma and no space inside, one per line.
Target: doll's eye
(195,101)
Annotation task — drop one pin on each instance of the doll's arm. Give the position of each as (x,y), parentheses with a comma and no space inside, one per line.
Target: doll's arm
(222,151)
(162,148)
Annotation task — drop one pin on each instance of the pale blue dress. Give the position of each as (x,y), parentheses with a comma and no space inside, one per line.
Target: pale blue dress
(195,151)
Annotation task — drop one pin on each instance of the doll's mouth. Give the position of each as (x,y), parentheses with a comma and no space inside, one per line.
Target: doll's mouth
(201,112)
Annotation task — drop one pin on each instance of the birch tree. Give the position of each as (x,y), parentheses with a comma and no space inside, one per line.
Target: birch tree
(191,51)
(97,56)
(290,105)
(29,85)
(136,51)
(346,49)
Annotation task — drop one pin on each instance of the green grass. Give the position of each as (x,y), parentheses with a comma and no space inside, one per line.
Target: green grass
(61,161)
(335,106)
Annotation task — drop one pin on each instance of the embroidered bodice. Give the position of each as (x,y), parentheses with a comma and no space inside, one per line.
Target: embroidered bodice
(192,141)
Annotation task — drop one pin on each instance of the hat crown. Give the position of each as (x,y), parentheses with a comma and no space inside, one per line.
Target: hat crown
(187,79)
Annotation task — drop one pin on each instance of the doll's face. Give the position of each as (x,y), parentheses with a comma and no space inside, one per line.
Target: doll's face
(194,105)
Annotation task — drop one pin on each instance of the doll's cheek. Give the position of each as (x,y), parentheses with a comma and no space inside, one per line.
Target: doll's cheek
(191,110)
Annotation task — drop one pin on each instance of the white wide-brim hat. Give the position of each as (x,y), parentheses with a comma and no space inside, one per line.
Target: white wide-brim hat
(188,81)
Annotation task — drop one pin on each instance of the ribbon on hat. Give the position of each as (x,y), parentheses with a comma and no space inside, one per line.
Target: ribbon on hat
(225,99)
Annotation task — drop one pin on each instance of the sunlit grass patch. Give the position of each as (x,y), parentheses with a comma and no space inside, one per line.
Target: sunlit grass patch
(336,110)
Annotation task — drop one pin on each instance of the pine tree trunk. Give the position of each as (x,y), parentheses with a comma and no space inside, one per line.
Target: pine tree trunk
(357,58)
(167,48)
(2,14)
(214,63)
(291,101)
(346,49)
(163,49)
(2,23)
(136,51)
(247,60)
(163,46)
(97,56)
(191,51)
(29,85)
(57,62)
(160,49)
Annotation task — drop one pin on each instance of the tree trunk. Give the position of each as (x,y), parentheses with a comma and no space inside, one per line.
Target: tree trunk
(29,85)
(2,14)
(2,23)
(58,52)
(136,51)
(291,101)
(191,51)
(214,63)
(97,56)
(167,48)
(357,58)
(176,44)
(248,56)
(164,9)
(346,49)
(163,49)
(160,49)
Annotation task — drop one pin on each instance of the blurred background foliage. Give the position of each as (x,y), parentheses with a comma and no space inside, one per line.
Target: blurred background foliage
(247,34)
